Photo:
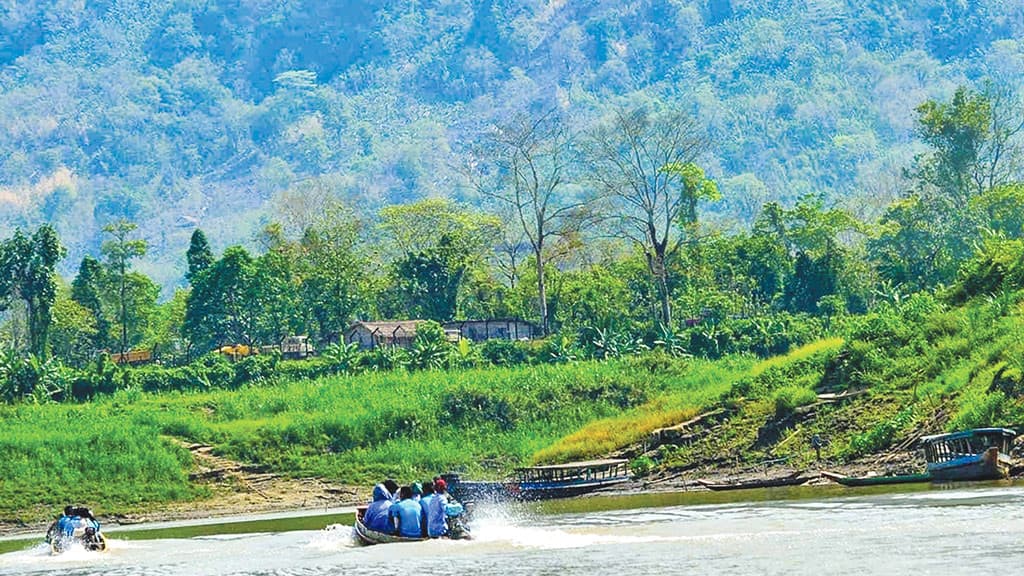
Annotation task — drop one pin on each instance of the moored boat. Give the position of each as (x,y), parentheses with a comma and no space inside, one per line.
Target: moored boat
(567,480)
(979,454)
(877,480)
(794,479)
(545,482)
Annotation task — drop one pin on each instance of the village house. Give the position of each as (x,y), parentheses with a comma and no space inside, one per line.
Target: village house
(402,333)
(370,335)
(494,329)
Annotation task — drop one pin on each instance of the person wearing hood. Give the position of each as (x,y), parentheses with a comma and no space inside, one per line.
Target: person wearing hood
(376,516)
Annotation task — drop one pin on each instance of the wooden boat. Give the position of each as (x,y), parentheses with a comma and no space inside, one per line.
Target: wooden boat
(979,454)
(794,479)
(567,480)
(544,482)
(877,480)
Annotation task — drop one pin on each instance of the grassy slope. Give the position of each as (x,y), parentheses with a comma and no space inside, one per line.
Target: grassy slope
(913,362)
(115,453)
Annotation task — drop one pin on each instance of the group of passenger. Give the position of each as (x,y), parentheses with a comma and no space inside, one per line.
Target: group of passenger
(73,517)
(420,510)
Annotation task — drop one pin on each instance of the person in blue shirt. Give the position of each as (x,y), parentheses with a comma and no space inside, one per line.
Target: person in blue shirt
(376,516)
(437,519)
(428,495)
(406,515)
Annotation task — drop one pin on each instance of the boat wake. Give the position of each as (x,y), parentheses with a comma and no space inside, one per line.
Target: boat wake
(40,556)
(332,539)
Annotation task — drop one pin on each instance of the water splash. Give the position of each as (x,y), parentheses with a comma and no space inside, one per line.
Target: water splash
(332,539)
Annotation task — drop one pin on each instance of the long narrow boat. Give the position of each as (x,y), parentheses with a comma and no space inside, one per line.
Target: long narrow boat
(544,482)
(567,480)
(979,454)
(877,480)
(794,479)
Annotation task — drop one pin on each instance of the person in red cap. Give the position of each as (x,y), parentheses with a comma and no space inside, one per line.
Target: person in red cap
(437,519)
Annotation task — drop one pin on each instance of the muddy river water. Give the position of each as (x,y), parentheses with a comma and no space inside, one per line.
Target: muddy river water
(927,529)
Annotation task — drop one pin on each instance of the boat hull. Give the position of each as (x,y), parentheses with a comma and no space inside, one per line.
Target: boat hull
(987,466)
(877,480)
(370,537)
(767,483)
(546,491)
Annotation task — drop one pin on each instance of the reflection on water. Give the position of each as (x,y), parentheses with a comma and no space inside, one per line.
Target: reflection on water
(955,530)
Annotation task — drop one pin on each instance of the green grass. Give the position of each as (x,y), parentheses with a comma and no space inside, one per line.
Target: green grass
(353,429)
(700,387)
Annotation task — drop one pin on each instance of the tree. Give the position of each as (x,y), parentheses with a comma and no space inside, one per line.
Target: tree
(926,235)
(419,226)
(642,161)
(28,273)
(225,303)
(334,283)
(822,261)
(87,290)
(427,283)
(120,250)
(957,131)
(74,330)
(199,255)
(534,159)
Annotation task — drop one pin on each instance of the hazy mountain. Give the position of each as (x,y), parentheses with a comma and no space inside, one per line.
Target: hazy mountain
(198,112)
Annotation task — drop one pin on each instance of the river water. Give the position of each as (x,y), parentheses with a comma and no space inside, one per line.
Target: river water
(928,530)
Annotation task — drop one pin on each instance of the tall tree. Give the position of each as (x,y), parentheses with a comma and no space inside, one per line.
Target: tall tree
(957,132)
(642,160)
(199,255)
(225,303)
(120,250)
(534,157)
(87,290)
(28,273)
(334,276)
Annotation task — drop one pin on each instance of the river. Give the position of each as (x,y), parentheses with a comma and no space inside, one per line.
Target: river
(928,530)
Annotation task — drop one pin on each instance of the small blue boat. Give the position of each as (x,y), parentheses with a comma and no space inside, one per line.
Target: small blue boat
(979,454)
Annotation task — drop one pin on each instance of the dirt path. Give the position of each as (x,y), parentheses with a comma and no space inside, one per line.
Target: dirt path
(243,489)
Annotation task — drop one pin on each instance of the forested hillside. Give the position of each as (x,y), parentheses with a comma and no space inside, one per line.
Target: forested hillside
(205,113)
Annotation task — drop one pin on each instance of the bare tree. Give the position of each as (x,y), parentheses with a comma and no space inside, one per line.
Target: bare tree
(642,162)
(1003,151)
(533,157)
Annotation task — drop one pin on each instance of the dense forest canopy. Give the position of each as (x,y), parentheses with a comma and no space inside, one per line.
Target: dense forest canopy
(206,113)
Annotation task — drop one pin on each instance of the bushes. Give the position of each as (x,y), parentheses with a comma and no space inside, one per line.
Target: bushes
(880,436)
(789,398)
(504,352)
